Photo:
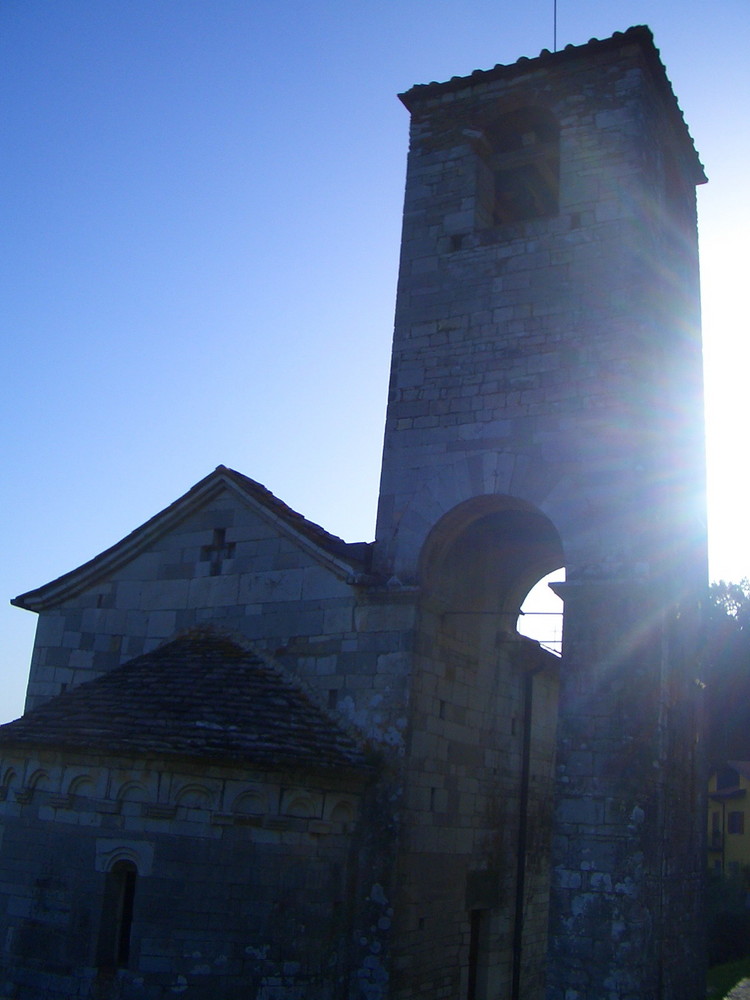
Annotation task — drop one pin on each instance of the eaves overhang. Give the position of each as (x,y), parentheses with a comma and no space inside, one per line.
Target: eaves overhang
(640,35)
(345,560)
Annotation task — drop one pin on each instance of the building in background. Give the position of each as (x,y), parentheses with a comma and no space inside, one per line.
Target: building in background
(728,819)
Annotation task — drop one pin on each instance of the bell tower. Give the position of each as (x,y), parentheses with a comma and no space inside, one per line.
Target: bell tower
(546,408)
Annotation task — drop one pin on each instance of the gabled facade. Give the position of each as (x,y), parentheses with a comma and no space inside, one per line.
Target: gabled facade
(227,553)
(530,826)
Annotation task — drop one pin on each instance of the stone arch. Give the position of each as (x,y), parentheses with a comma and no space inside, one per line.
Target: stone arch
(194,796)
(132,791)
(9,779)
(139,852)
(121,855)
(502,474)
(301,805)
(252,802)
(39,781)
(342,810)
(484,556)
(81,784)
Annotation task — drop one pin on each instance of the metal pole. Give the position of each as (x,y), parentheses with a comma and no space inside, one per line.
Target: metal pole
(554,29)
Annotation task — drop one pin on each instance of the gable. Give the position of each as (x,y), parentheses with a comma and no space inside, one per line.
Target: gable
(225,501)
(227,552)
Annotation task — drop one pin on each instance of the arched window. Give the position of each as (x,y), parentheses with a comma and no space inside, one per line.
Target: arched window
(519,176)
(117,916)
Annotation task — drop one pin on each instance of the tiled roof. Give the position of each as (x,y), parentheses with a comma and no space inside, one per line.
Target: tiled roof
(200,695)
(352,557)
(639,34)
(334,544)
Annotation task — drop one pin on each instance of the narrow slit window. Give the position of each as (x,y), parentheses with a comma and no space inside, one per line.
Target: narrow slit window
(117,916)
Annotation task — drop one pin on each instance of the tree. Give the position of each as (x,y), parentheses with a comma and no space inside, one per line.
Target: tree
(726,658)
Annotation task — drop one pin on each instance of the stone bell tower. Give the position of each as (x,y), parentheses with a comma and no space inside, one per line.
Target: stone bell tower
(546,409)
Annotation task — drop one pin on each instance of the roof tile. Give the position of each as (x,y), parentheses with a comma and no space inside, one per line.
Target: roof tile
(200,695)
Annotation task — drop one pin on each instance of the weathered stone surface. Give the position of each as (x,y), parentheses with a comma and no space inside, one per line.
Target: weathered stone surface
(544,411)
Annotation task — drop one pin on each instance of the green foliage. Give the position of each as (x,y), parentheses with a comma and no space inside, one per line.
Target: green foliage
(727,918)
(731,601)
(723,978)
(726,671)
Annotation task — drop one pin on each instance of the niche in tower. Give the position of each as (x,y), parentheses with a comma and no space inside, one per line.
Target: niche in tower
(519,168)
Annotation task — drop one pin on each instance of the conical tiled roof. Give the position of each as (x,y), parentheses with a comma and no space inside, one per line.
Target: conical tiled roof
(201,695)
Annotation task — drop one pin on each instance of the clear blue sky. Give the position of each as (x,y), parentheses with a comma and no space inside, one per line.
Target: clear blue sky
(199,234)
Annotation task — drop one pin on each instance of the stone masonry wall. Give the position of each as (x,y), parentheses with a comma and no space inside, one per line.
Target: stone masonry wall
(519,364)
(345,642)
(462,813)
(248,883)
(556,360)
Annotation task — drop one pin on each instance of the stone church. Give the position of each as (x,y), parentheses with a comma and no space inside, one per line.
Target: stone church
(260,762)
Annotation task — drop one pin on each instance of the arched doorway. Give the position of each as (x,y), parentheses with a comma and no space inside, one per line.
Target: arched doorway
(482,724)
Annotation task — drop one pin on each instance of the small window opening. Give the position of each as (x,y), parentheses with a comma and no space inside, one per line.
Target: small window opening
(477,980)
(520,172)
(117,916)
(736,822)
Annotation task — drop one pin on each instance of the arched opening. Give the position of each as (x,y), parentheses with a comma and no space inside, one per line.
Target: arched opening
(519,176)
(485,714)
(485,556)
(117,916)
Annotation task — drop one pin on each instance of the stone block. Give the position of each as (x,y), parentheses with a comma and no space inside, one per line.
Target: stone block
(161,624)
(338,619)
(271,586)
(162,595)
(383,617)
(214,591)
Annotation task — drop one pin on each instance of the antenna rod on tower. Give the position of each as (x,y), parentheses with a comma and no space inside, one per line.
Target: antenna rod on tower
(554,25)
